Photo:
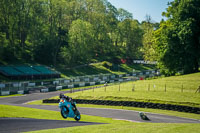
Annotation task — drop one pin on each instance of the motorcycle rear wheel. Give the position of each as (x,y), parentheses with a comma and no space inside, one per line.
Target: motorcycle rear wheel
(77,115)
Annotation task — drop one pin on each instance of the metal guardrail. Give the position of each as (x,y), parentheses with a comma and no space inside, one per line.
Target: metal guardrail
(19,87)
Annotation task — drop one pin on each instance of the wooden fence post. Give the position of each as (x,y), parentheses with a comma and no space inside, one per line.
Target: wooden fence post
(119,86)
(198,90)
(133,89)
(182,88)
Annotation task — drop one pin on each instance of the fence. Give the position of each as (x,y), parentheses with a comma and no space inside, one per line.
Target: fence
(132,86)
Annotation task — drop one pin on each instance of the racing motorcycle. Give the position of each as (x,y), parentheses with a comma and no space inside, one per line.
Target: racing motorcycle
(68,110)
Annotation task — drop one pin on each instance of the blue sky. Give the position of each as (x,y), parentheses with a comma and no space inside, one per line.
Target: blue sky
(139,8)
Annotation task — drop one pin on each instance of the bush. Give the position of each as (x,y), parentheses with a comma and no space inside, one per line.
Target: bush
(106,64)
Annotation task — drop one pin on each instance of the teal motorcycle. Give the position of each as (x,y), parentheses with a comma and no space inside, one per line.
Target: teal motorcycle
(68,110)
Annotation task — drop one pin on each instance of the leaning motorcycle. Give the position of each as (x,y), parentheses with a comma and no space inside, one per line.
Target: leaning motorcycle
(68,110)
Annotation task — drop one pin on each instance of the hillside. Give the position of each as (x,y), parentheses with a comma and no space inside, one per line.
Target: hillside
(103,68)
(178,90)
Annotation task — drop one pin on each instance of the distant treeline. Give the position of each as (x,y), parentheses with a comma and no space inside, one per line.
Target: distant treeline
(68,32)
(74,32)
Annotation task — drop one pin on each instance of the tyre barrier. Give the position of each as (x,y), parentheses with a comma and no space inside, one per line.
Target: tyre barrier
(179,108)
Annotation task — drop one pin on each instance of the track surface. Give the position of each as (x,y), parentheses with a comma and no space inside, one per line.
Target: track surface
(25,124)
(110,113)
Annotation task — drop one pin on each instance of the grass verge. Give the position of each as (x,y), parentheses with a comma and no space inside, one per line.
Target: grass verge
(129,128)
(114,126)
(24,112)
(11,95)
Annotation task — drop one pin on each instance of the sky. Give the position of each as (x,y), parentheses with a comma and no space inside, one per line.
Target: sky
(140,8)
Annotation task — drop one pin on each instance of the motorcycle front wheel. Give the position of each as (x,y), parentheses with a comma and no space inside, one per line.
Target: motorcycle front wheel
(64,112)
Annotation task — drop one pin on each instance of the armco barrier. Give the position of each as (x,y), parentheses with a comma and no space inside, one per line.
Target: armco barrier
(44,90)
(58,87)
(179,108)
(2,85)
(92,83)
(20,92)
(31,84)
(3,93)
(81,84)
(93,80)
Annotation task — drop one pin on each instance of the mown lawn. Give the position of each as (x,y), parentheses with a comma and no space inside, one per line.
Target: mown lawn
(178,90)
(129,128)
(112,126)
(11,95)
(24,112)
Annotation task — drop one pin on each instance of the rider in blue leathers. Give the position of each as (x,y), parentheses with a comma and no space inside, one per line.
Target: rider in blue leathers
(68,99)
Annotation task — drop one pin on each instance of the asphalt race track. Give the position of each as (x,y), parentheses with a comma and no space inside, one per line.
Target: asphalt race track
(122,114)
(25,124)
(17,124)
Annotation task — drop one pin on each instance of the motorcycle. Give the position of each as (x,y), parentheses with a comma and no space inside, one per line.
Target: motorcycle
(68,110)
(143,116)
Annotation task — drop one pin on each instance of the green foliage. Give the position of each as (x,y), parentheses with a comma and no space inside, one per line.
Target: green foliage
(130,38)
(177,41)
(66,32)
(107,64)
(81,36)
(148,41)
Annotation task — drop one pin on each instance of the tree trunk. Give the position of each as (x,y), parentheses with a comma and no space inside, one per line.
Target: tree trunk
(196,65)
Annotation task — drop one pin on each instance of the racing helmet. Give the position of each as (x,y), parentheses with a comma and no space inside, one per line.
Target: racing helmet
(61,95)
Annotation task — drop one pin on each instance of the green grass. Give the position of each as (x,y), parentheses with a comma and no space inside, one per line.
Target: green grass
(99,68)
(157,111)
(24,112)
(112,126)
(129,128)
(150,91)
(11,95)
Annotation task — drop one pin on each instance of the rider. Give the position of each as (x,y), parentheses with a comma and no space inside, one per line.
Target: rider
(68,99)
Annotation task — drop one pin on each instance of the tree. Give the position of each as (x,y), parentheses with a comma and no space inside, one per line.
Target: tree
(181,37)
(148,48)
(51,32)
(81,36)
(123,14)
(149,30)
(130,38)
